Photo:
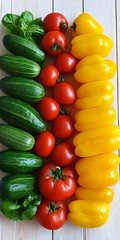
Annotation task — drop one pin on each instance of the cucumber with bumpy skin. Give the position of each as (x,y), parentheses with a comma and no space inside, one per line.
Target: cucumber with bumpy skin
(22,88)
(20,114)
(15,138)
(19,66)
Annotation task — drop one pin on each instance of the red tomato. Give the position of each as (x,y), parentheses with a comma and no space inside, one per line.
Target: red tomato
(52,215)
(64,93)
(48,108)
(66,62)
(63,126)
(63,154)
(48,76)
(44,144)
(57,183)
(55,22)
(53,42)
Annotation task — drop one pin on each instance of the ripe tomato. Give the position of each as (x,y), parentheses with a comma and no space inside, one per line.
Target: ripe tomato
(44,144)
(48,108)
(48,76)
(52,215)
(63,126)
(57,183)
(66,62)
(63,154)
(64,93)
(55,22)
(53,42)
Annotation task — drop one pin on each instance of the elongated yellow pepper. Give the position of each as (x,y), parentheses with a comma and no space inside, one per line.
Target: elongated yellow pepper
(94,94)
(98,171)
(94,68)
(88,214)
(97,141)
(85,24)
(104,194)
(94,117)
(90,44)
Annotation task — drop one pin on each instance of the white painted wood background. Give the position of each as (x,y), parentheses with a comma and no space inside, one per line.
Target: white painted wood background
(107,12)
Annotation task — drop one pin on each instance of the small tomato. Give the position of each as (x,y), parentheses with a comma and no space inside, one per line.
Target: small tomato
(55,22)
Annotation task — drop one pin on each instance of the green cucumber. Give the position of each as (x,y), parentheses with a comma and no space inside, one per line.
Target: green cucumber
(22,88)
(12,161)
(17,186)
(20,114)
(19,66)
(16,138)
(23,47)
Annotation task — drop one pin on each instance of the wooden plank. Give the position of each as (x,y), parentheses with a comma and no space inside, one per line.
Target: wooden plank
(104,12)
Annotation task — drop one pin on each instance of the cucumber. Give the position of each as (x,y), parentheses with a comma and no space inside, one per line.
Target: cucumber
(17,186)
(21,114)
(23,47)
(12,161)
(19,66)
(15,138)
(22,88)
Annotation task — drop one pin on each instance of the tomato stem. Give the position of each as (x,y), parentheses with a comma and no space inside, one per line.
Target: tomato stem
(63,26)
(64,111)
(53,207)
(56,46)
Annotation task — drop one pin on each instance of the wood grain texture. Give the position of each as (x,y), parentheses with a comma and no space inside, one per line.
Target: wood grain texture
(108,14)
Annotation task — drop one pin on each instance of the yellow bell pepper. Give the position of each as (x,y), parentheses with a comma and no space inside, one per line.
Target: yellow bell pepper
(94,68)
(85,24)
(94,94)
(88,214)
(94,117)
(98,171)
(90,44)
(104,194)
(97,141)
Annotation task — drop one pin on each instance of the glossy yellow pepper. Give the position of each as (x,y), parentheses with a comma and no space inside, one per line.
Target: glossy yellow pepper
(97,141)
(88,214)
(98,171)
(90,44)
(94,94)
(104,194)
(85,24)
(94,117)
(94,68)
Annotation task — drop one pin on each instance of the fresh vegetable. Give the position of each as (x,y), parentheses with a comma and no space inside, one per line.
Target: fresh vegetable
(44,144)
(12,161)
(63,154)
(16,138)
(90,44)
(24,25)
(23,47)
(104,194)
(66,62)
(105,114)
(22,88)
(63,126)
(57,183)
(53,42)
(88,214)
(19,66)
(22,209)
(94,68)
(86,24)
(21,114)
(48,76)
(48,108)
(97,141)
(94,94)
(17,186)
(55,21)
(98,171)
(52,215)
(64,93)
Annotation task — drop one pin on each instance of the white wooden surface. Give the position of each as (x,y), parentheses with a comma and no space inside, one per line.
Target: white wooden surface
(107,12)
